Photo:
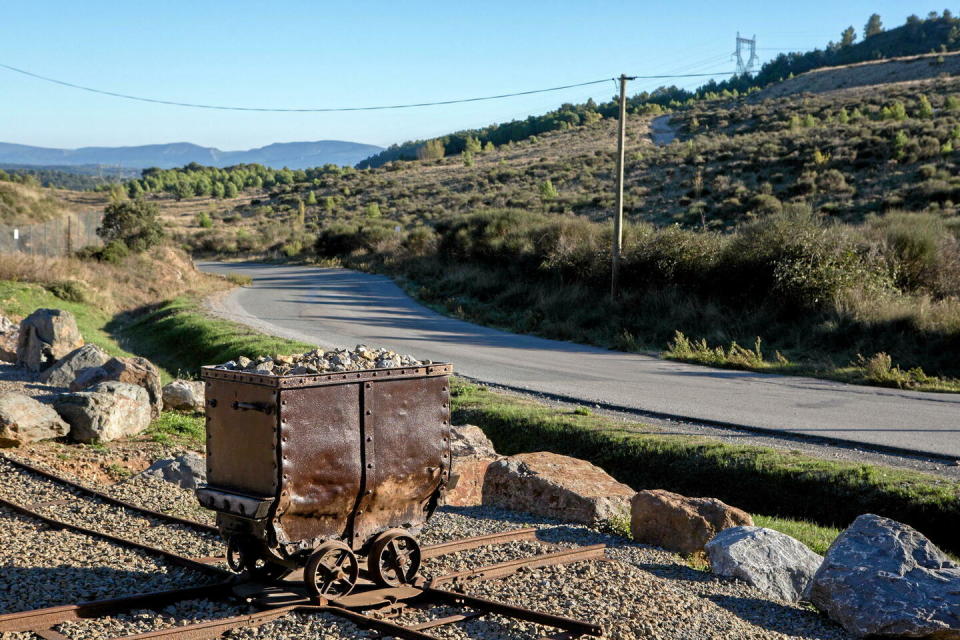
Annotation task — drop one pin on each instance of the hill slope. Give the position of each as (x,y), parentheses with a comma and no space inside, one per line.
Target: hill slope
(295,155)
(876,72)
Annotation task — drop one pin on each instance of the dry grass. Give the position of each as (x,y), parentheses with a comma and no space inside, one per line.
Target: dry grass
(905,69)
(22,204)
(139,280)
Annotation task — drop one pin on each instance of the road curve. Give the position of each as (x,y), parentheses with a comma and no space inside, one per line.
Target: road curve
(341,308)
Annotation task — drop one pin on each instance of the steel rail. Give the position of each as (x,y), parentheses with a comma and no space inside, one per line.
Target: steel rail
(504,569)
(38,619)
(108,498)
(455,546)
(183,561)
(415,596)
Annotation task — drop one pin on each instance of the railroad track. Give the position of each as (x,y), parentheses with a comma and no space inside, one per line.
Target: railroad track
(368,607)
(67,504)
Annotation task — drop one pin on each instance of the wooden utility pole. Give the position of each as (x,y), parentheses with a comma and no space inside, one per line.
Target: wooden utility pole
(618,216)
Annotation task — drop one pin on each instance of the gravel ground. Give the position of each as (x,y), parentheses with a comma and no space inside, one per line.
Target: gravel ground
(26,488)
(44,567)
(159,495)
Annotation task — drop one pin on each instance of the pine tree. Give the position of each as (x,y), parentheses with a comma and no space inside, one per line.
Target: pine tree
(848,36)
(874,26)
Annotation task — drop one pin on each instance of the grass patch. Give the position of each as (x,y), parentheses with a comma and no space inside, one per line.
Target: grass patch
(817,537)
(177,428)
(180,337)
(761,480)
(877,370)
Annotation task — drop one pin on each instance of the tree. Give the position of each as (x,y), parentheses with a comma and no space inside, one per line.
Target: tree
(132,222)
(230,190)
(848,36)
(924,108)
(874,26)
(547,190)
(431,150)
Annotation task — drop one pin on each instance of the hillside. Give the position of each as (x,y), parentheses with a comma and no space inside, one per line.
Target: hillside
(875,72)
(827,224)
(26,204)
(295,155)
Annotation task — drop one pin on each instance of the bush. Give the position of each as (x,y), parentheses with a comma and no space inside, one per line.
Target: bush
(134,223)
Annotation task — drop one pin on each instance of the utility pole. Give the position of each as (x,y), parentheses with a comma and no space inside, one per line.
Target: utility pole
(618,215)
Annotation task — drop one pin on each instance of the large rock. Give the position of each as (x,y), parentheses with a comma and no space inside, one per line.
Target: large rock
(556,486)
(23,420)
(472,454)
(138,371)
(75,363)
(678,523)
(771,561)
(46,335)
(106,411)
(9,336)
(185,395)
(884,578)
(188,471)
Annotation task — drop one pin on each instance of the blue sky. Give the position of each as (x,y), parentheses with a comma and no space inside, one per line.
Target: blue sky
(341,54)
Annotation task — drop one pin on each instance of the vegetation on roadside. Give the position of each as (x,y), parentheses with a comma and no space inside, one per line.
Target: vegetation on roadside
(180,337)
(791,490)
(799,495)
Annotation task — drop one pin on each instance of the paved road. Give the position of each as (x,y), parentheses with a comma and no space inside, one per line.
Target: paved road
(341,308)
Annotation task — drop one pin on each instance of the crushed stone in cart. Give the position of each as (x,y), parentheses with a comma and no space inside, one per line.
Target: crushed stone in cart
(319,361)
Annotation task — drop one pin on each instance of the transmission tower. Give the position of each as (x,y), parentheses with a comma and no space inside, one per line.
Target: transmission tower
(751,64)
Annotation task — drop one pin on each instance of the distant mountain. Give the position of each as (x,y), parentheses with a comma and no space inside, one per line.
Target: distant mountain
(294,155)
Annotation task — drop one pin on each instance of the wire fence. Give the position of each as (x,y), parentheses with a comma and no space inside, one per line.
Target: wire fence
(58,237)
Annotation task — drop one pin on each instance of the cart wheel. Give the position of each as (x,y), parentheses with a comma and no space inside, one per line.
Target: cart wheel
(332,570)
(235,554)
(394,558)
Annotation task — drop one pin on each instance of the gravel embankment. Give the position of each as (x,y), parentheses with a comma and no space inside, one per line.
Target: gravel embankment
(640,592)
(28,488)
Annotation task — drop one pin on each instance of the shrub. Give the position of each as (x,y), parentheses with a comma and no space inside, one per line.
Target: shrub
(134,223)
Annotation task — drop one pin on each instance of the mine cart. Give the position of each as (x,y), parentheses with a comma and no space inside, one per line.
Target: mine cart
(333,472)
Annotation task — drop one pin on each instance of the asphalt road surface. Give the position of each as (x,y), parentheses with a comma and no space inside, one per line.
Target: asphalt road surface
(342,308)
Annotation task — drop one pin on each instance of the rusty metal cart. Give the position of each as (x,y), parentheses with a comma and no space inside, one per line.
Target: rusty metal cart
(326,471)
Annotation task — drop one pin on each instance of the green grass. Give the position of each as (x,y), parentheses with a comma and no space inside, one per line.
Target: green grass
(765,481)
(21,299)
(180,337)
(173,427)
(815,536)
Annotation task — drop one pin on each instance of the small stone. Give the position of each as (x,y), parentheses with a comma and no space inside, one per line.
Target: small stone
(75,363)
(243,362)
(184,395)
(187,471)
(771,561)
(472,453)
(24,420)
(678,523)
(556,486)
(9,336)
(883,578)
(46,335)
(105,412)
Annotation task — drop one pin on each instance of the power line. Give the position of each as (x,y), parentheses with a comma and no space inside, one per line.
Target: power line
(335,109)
